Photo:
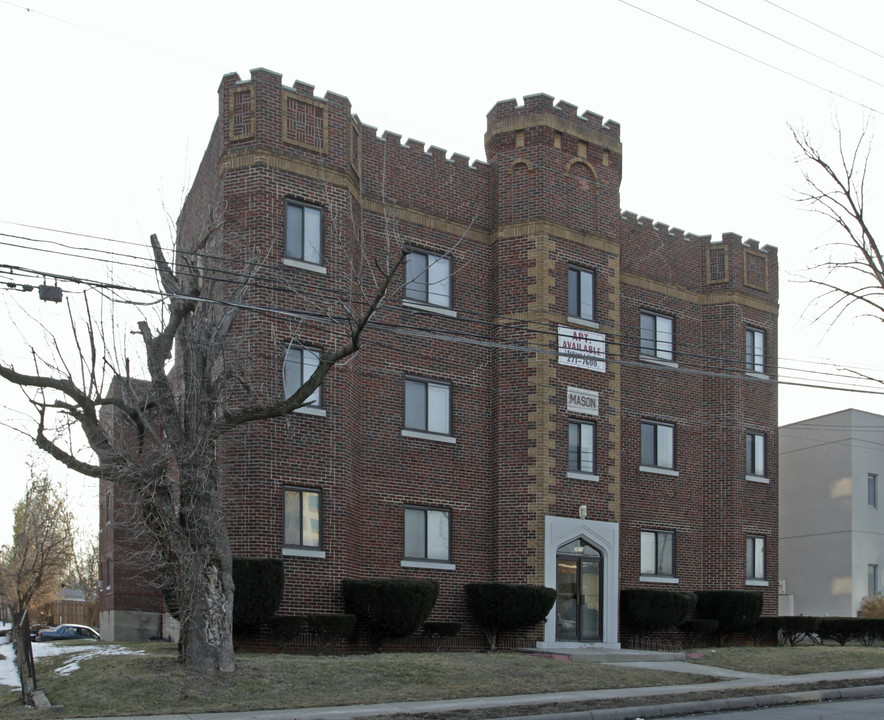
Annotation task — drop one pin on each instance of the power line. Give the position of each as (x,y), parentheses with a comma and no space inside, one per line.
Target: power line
(746,55)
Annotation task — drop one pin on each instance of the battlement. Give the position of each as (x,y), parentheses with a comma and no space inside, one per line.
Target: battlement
(540,109)
(663,229)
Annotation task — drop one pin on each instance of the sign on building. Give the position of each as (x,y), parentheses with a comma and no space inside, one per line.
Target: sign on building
(583,401)
(581,348)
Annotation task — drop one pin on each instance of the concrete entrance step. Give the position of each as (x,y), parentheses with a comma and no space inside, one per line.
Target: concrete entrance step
(607,655)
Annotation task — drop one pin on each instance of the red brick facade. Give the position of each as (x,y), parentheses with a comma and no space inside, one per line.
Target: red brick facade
(546,201)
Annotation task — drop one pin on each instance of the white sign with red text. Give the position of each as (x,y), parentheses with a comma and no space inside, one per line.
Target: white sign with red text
(581,348)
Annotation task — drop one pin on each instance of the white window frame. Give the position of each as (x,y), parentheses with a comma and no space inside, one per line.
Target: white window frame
(656,340)
(872,490)
(581,302)
(308,221)
(428,280)
(663,434)
(756,560)
(756,457)
(428,519)
(296,500)
(874,582)
(650,541)
(755,351)
(585,448)
(299,364)
(426,397)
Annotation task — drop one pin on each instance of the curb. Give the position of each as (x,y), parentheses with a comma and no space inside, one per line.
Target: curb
(710,706)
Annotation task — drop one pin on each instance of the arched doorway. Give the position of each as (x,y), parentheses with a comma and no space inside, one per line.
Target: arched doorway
(579,574)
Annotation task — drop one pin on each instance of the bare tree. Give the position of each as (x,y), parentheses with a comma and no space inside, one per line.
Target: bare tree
(34,566)
(851,276)
(157,436)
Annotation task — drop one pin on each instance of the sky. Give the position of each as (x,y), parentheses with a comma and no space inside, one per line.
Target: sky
(108,108)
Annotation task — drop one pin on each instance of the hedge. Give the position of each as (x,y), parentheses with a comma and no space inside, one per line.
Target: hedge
(258,584)
(392,608)
(501,606)
(650,609)
(735,610)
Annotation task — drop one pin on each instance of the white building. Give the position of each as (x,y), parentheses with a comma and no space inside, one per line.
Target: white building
(831,522)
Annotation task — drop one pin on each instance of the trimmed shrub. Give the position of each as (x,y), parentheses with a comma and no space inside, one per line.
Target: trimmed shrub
(694,629)
(286,629)
(440,631)
(765,628)
(840,629)
(329,628)
(259,585)
(649,609)
(500,606)
(794,629)
(392,608)
(735,610)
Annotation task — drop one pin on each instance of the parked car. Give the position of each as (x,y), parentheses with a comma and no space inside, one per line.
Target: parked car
(34,629)
(68,632)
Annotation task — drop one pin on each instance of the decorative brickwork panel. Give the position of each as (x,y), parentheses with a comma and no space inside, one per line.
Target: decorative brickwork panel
(755,270)
(354,148)
(305,123)
(242,114)
(716,265)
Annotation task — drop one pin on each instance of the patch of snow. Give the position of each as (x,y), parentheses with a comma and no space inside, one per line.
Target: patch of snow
(79,652)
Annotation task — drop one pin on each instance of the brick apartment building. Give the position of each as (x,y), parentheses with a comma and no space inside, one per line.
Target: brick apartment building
(558,392)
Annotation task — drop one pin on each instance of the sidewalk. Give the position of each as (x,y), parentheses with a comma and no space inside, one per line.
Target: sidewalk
(729,680)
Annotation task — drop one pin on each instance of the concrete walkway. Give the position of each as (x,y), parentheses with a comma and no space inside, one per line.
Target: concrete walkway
(725,680)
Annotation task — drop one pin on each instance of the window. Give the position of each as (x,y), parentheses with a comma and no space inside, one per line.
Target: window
(873,490)
(581,293)
(755,454)
(299,365)
(873,580)
(303,233)
(428,279)
(427,534)
(657,553)
(581,447)
(428,406)
(302,518)
(656,336)
(754,350)
(658,445)
(755,561)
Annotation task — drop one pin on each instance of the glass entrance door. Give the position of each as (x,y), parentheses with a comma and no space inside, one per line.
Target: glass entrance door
(579,603)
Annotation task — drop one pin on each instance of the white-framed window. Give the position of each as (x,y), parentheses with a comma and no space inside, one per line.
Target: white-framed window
(303,233)
(872,482)
(302,518)
(756,567)
(873,580)
(658,445)
(755,455)
(656,336)
(427,406)
(581,294)
(581,447)
(754,350)
(300,363)
(427,534)
(428,278)
(658,553)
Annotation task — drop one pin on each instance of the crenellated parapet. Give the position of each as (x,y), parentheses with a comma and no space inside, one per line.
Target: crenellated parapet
(671,255)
